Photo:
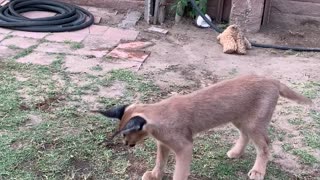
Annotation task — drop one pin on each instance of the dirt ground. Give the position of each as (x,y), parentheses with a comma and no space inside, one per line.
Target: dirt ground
(46,132)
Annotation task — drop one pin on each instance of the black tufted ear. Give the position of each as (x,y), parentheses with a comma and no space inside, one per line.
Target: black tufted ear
(135,124)
(114,112)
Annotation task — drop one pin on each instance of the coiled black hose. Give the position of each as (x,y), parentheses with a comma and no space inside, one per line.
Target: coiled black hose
(215,28)
(68,18)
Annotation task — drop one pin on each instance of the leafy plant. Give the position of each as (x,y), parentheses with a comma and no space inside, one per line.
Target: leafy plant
(183,6)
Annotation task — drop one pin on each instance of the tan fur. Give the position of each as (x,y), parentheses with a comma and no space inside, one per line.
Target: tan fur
(233,40)
(247,102)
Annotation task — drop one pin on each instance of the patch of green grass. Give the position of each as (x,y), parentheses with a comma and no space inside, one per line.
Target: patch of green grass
(97,68)
(305,157)
(75,45)
(312,139)
(315,115)
(296,121)
(24,52)
(233,72)
(8,37)
(276,133)
(13,47)
(134,83)
(311,90)
(58,62)
(287,147)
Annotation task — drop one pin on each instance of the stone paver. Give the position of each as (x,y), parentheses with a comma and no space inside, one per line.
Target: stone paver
(130,54)
(95,42)
(77,36)
(35,35)
(52,47)
(66,36)
(77,64)
(5,31)
(98,30)
(131,51)
(19,42)
(2,36)
(37,14)
(6,52)
(116,33)
(38,58)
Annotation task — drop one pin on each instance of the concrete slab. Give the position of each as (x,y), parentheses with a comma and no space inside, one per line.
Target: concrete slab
(53,47)
(121,34)
(95,42)
(38,58)
(2,36)
(5,31)
(68,36)
(35,35)
(20,42)
(7,52)
(98,30)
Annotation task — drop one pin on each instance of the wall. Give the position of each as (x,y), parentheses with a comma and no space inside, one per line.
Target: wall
(294,12)
(116,4)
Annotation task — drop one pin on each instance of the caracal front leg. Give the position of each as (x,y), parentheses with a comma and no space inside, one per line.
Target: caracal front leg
(161,162)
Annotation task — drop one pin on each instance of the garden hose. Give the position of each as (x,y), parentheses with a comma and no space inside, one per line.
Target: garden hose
(215,28)
(68,17)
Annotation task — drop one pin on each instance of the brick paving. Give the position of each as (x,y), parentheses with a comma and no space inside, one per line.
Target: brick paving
(19,42)
(34,35)
(85,50)
(38,58)
(67,36)
(54,47)
(2,36)
(6,52)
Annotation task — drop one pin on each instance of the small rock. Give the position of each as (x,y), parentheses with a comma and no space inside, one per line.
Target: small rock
(135,45)
(158,30)
(130,20)
(130,54)
(97,19)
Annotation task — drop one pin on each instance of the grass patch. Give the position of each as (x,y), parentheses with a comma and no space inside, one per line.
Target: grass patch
(75,45)
(97,68)
(305,157)
(312,139)
(24,52)
(13,47)
(311,90)
(296,121)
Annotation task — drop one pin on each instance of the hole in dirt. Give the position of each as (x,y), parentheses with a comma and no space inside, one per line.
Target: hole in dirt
(16,145)
(81,167)
(117,146)
(24,107)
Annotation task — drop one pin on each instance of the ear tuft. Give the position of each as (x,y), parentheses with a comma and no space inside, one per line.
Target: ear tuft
(114,112)
(135,124)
